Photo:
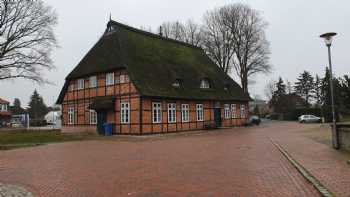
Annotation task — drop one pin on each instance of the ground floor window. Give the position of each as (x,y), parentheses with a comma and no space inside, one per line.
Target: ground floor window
(171,112)
(199,110)
(71,115)
(227,111)
(124,112)
(156,112)
(233,110)
(93,117)
(243,111)
(185,113)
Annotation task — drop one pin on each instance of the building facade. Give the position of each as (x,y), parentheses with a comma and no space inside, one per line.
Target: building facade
(143,83)
(5,114)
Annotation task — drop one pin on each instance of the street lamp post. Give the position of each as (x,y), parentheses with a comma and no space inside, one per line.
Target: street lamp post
(328,37)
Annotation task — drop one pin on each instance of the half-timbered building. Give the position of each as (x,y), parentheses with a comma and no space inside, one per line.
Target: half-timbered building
(144,83)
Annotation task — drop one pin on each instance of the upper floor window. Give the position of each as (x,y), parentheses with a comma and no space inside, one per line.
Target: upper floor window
(177,83)
(72,87)
(171,112)
(205,84)
(227,111)
(80,84)
(93,82)
(226,87)
(124,79)
(156,112)
(3,107)
(109,79)
(199,112)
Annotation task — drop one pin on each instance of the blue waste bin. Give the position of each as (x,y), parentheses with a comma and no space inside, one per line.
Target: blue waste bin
(108,129)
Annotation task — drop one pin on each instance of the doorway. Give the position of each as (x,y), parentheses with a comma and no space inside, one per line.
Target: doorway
(217,117)
(101,119)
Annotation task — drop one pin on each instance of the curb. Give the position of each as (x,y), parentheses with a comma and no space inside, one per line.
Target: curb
(306,174)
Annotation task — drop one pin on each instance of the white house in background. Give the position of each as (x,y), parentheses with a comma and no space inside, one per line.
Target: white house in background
(54,118)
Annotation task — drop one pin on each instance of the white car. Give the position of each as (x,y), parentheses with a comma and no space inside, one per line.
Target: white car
(309,118)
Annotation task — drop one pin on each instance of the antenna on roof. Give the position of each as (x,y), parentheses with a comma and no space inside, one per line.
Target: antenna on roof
(110,16)
(160,31)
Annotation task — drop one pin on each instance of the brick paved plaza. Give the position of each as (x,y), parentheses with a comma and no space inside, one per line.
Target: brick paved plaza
(239,162)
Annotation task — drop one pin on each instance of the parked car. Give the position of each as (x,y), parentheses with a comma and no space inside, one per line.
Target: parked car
(309,118)
(253,120)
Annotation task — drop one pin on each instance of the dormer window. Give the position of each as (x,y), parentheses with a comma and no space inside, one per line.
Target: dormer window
(205,84)
(177,83)
(226,87)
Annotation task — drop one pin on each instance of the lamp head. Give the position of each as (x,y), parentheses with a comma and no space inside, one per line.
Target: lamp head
(328,37)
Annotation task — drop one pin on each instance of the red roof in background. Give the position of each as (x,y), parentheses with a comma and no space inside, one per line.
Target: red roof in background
(2,101)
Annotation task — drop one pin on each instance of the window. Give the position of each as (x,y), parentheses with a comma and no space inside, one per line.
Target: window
(199,112)
(177,83)
(233,110)
(3,107)
(124,79)
(185,113)
(171,112)
(243,115)
(72,87)
(205,84)
(227,112)
(93,117)
(93,82)
(71,115)
(156,113)
(124,112)
(226,87)
(80,84)
(109,79)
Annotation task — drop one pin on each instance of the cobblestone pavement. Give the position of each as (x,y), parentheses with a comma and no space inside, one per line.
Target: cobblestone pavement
(13,191)
(239,162)
(326,164)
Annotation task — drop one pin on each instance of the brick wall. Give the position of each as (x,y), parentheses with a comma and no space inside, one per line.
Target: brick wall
(140,109)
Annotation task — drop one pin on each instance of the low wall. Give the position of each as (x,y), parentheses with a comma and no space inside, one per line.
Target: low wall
(344,136)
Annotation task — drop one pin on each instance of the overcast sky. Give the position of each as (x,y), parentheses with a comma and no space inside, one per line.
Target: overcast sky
(294,27)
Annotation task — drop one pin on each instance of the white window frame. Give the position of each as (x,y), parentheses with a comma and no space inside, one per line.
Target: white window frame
(233,110)
(124,78)
(93,117)
(200,112)
(72,87)
(71,116)
(243,111)
(171,112)
(3,107)
(185,115)
(156,112)
(205,84)
(93,82)
(125,112)
(227,111)
(109,79)
(80,84)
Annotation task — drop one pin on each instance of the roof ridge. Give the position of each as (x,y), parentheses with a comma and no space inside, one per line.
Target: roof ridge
(152,34)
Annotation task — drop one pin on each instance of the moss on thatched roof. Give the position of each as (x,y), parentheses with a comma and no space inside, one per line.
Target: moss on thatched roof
(154,63)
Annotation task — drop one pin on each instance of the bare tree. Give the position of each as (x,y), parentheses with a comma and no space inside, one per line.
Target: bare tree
(174,30)
(269,89)
(190,32)
(26,39)
(251,49)
(217,39)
